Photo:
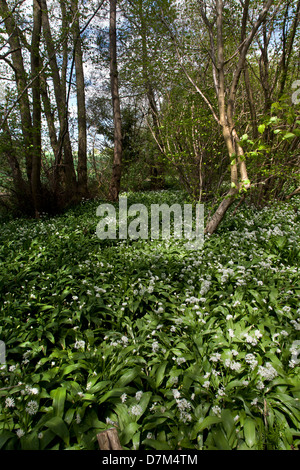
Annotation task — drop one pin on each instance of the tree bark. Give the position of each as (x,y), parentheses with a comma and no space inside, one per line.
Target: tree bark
(226,110)
(60,96)
(109,440)
(36,106)
(21,82)
(21,189)
(81,107)
(117,161)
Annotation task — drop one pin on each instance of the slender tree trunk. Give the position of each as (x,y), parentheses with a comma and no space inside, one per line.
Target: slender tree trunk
(149,89)
(21,81)
(60,96)
(251,102)
(226,129)
(226,110)
(81,108)
(20,187)
(117,162)
(65,52)
(288,45)
(49,114)
(36,105)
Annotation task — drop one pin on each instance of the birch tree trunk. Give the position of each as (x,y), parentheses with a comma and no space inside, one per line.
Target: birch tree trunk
(239,176)
(117,162)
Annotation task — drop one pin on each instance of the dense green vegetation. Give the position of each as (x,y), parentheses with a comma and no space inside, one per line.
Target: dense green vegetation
(179,349)
(165,101)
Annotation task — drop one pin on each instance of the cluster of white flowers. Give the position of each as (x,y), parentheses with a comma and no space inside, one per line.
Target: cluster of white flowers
(296,324)
(20,433)
(9,402)
(29,390)
(215,357)
(32,407)
(233,365)
(123,341)
(26,357)
(179,360)
(183,406)
(251,360)
(123,397)
(205,287)
(226,273)
(79,344)
(253,339)
(267,372)
(216,410)
(136,410)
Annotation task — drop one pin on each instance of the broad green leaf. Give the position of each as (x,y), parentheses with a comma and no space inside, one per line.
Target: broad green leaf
(128,432)
(289,135)
(206,423)
(160,373)
(157,445)
(227,421)
(250,432)
(128,377)
(58,426)
(144,401)
(5,436)
(220,439)
(59,397)
(114,393)
(30,442)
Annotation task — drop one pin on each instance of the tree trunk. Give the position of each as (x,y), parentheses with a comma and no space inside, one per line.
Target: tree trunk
(36,106)
(21,81)
(226,110)
(60,96)
(81,108)
(117,162)
(21,189)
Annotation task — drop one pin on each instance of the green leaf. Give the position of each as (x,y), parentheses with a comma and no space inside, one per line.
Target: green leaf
(128,377)
(227,421)
(160,374)
(250,432)
(127,434)
(289,135)
(5,436)
(115,393)
(58,426)
(220,439)
(90,336)
(157,445)
(144,401)
(59,397)
(206,423)
(30,442)
(261,128)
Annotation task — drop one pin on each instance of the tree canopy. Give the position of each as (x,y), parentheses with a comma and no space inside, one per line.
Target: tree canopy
(201,95)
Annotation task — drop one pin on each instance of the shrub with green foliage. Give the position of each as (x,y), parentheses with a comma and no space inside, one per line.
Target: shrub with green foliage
(177,349)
